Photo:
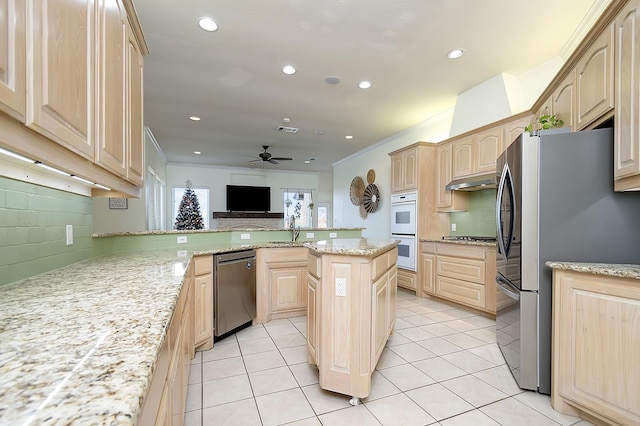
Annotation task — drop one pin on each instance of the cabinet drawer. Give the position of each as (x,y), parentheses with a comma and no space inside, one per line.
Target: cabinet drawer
(203,264)
(459,250)
(465,292)
(407,279)
(314,265)
(427,247)
(285,254)
(461,268)
(380,264)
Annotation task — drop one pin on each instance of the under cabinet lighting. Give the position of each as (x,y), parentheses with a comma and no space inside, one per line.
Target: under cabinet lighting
(18,156)
(53,169)
(103,187)
(82,179)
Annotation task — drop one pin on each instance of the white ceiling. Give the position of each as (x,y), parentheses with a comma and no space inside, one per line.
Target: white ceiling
(232,78)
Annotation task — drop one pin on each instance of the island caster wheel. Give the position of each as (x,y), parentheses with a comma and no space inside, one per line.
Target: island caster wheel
(354,401)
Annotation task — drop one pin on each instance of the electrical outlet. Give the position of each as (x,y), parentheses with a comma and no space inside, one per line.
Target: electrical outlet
(245,236)
(69,231)
(182,253)
(341,287)
(182,239)
(310,235)
(453,227)
(333,235)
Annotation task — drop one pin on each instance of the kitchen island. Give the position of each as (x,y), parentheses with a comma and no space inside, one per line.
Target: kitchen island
(351,302)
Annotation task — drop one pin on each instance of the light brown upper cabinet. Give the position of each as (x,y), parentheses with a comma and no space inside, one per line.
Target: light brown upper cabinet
(120,148)
(135,123)
(447,201)
(513,129)
(563,101)
(13,49)
(60,82)
(111,150)
(545,109)
(594,80)
(626,168)
(404,170)
(487,146)
(476,154)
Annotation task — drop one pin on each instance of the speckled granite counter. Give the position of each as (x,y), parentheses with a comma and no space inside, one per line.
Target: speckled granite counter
(460,242)
(78,345)
(352,246)
(205,231)
(614,270)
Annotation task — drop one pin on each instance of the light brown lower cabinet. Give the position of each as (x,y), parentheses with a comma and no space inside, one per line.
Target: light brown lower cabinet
(596,347)
(166,399)
(460,273)
(203,308)
(351,302)
(281,286)
(407,279)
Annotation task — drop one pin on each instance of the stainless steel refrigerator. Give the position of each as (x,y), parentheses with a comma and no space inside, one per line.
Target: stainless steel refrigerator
(555,201)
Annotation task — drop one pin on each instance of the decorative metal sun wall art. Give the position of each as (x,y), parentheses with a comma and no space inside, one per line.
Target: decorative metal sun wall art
(367,197)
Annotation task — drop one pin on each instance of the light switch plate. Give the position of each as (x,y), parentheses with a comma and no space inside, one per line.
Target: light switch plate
(245,236)
(333,235)
(453,226)
(182,253)
(341,287)
(182,239)
(310,235)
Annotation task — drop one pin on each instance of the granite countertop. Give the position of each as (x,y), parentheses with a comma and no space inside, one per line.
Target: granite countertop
(610,269)
(460,242)
(204,231)
(352,246)
(79,344)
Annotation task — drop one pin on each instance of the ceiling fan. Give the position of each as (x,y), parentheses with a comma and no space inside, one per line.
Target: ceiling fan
(265,156)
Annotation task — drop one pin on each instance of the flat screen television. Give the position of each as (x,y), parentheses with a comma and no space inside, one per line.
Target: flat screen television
(248,198)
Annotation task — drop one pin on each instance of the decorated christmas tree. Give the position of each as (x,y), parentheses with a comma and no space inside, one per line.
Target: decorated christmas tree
(189,216)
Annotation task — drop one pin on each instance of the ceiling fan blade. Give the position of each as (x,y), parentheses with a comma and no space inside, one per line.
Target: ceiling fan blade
(273,161)
(253,161)
(281,158)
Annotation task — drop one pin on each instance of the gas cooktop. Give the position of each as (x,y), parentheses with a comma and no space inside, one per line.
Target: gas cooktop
(468,238)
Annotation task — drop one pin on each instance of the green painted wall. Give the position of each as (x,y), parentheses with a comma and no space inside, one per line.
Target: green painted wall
(480,220)
(32,229)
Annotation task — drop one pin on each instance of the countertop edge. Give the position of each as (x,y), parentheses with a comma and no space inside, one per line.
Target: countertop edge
(459,242)
(212,231)
(621,270)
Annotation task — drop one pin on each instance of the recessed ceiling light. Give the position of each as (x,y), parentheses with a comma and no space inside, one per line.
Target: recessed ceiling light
(455,53)
(307,161)
(319,132)
(288,69)
(207,24)
(364,84)
(332,79)
(197,152)
(286,120)
(194,118)
(348,137)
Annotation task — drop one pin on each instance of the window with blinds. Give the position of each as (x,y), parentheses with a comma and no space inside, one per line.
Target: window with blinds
(154,194)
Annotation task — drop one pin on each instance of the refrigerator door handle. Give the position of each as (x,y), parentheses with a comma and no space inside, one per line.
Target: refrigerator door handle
(499,239)
(504,247)
(507,288)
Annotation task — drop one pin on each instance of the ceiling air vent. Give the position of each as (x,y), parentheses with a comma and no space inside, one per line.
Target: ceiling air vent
(286,129)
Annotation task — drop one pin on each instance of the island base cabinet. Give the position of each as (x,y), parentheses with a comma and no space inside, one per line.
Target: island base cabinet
(351,313)
(595,368)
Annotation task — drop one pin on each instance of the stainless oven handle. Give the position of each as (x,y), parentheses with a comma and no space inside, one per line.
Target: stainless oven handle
(507,288)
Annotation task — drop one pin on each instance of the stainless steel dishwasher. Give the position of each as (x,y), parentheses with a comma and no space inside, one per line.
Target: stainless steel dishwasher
(234,291)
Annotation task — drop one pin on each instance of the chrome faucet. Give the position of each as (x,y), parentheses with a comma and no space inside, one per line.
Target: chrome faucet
(292,225)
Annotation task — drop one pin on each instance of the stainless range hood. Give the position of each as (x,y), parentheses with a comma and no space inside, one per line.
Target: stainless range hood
(473,183)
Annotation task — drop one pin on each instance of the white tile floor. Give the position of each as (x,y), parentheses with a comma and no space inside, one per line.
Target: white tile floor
(440,367)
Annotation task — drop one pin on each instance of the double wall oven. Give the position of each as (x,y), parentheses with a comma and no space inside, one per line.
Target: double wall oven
(404,228)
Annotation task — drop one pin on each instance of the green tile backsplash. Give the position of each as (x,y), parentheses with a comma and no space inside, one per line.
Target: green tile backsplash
(480,220)
(32,229)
